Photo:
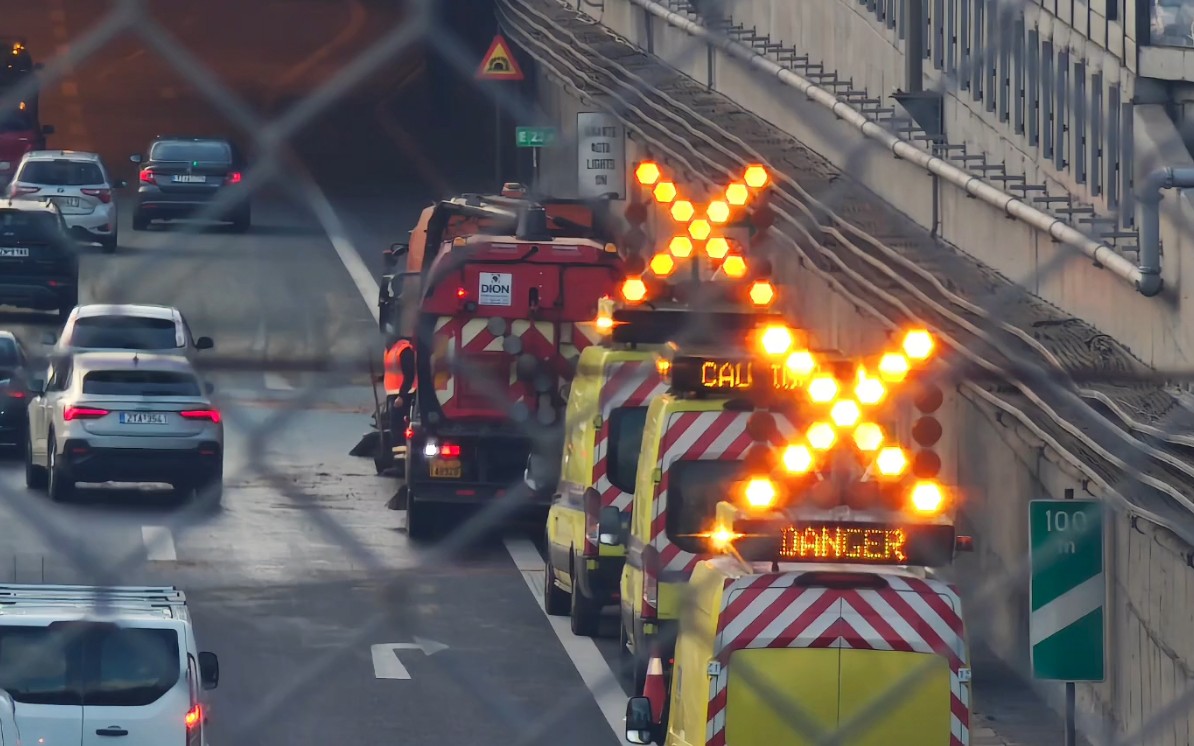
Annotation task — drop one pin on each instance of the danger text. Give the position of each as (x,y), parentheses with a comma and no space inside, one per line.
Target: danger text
(858,544)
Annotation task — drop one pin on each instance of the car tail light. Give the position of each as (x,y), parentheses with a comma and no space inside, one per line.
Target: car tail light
(650,582)
(194,716)
(449,450)
(103,195)
(15,394)
(410,432)
(17,191)
(200,414)
(83,413)
(147,176)
(234,177)
(592,504)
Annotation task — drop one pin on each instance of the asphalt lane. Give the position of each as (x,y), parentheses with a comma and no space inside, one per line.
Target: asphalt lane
(304,571)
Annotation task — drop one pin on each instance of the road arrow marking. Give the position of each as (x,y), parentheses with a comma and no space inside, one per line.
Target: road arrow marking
(386,664)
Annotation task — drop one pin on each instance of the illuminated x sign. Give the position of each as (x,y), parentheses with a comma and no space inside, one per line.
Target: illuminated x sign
(700,222)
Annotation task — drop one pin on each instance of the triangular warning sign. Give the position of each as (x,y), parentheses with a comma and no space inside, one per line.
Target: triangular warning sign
(499,62)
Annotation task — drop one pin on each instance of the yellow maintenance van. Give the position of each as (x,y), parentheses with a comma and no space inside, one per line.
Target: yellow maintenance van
(607,411)
(806,628)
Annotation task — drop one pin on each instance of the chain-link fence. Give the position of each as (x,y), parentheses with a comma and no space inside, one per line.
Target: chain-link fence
(1102,408)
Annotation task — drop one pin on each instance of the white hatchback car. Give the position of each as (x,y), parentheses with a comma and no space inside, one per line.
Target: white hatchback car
(92,666)
(142,327)
(124,417)
(79,184)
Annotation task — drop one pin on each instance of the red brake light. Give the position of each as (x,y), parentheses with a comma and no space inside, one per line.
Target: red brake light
(83,413)
(449,450)
(234,177)
(16,394)
(200,414)
(461,293)
(103,195)
(194,716)
(19,190)
(147,176)
(410,432)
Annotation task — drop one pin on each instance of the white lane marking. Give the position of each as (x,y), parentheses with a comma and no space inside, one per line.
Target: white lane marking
(159,543)
(589,663)
(357,15)
(386,664)
(276,382)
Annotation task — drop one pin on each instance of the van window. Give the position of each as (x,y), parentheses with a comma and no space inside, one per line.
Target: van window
(108,666)
(694,489)
(625,440)
(134,667)
(140,383)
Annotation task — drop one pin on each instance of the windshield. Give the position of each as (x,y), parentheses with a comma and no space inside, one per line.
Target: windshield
(30,227)
(694,489)
(61,173)
(16,121)
(140,383)
(625,439)
(124,333)
(207,152)
(64,664)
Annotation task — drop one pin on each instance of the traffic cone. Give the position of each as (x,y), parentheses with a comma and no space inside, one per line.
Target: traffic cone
(655,689)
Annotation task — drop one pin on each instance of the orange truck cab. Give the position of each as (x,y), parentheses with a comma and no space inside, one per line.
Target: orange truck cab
(499,311)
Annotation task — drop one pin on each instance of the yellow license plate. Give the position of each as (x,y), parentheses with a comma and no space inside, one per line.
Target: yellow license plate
(445,469)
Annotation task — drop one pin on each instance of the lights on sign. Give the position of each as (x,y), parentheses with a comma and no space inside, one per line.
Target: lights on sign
(759,493)
(868,436)
(845,413)
(662,264)
(665,192)
(680,247)
(718,212)
(927,497)
(822,389)
(756,176)
(777,340)
(798,459)
(918,344)
(647,173)
(893,367)
(734,266)
(878,545)
(801,363)
(682,211)
(737,194)
(717,247)
(821,436)
(634,289)
(762,293)
(699,229)
(870,391)
(891,461)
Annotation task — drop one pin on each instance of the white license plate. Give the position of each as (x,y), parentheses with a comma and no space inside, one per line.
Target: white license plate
(188,179)
(13,251)
(142,418)
(67,201)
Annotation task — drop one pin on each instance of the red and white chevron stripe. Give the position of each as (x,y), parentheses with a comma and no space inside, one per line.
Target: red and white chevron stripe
(909,615)
(700,436)
(629,384)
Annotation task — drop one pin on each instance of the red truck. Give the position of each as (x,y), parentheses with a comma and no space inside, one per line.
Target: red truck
(497,297)
(21,129)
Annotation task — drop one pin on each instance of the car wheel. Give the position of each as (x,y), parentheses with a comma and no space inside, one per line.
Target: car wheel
(109,243)
(585,613)
(140,222)
(35,474)
(61,488)
(555,598)
(242,221)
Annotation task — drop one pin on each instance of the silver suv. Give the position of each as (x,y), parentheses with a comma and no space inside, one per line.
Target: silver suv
(145,328)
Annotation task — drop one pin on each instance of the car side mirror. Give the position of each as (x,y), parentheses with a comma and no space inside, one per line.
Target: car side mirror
(640,728)
(609,526)
(135,157)
(204,343)
(209,387)
(209,670)
(390,256)
(47,129)
(49,338)
(121,184)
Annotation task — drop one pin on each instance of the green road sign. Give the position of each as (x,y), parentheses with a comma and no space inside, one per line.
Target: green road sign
(1068,590)
(535,137)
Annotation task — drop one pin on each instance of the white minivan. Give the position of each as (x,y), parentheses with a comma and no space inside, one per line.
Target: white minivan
(87,666)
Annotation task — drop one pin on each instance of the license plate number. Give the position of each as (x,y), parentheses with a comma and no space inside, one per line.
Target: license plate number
(189,179)
(67,201)
(445,468)
(13,251)
(142,418)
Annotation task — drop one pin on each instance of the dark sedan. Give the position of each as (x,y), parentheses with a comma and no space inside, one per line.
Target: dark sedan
(181,177)
(15,390)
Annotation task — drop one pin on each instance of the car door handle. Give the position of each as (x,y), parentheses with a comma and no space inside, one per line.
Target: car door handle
(112,731)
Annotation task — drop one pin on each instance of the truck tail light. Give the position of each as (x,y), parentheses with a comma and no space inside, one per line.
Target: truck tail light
(592,504)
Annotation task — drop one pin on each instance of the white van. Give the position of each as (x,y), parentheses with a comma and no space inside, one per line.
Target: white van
(87,666)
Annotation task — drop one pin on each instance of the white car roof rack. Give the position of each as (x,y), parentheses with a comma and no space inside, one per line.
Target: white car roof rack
(167,595)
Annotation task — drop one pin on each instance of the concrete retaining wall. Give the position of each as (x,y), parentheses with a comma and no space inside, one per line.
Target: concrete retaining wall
(999,466)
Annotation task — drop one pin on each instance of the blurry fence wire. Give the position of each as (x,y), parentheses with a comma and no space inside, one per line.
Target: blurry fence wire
(1071,407)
